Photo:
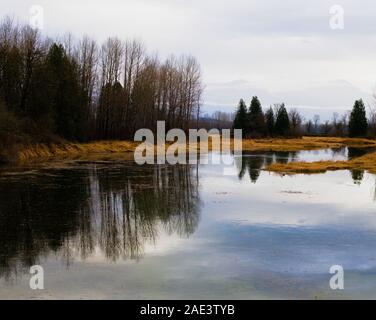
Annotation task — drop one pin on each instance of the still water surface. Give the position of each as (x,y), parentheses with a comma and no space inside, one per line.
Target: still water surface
(118,230)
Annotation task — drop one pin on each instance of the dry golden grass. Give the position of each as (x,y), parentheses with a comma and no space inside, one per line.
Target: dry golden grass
(111,150)
(100,150)
(309,167)
(305,143)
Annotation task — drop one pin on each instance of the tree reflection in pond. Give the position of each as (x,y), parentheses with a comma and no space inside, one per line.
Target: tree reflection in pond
(357,176)
(253,162)
(73,212)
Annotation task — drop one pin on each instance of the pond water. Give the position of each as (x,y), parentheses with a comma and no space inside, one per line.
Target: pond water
(122,231)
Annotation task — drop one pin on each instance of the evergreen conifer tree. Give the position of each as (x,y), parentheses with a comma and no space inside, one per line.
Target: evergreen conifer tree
(240,121)
(256,118)
(270,121)
(358,121)
(282,123)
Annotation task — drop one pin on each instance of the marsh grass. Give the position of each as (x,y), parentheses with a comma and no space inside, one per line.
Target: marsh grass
(101,150)
(110,150)
(305,143)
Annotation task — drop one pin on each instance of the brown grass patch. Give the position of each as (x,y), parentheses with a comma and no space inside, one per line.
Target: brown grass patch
(100,150)
(305,143)
(105,150)
(308,167)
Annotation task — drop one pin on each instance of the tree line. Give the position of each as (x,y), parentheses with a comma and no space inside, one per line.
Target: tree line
(276,121)
(80,90)
(217,120)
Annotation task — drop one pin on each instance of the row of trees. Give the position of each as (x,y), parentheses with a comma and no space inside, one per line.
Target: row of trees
(217,120)
(277,121)
(352,123)
(80,90)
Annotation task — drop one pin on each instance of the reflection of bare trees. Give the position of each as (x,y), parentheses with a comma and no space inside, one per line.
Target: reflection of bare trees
(114,210)
(133,213)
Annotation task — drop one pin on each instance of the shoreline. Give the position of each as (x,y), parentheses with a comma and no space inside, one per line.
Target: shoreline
(119,150)
(366,162)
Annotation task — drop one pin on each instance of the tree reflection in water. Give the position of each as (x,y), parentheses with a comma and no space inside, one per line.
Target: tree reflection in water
(254,162)
(357,176)
(73,212)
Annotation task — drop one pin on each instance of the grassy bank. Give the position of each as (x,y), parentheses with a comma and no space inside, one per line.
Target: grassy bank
(305,143)
(102,150)
(98,150)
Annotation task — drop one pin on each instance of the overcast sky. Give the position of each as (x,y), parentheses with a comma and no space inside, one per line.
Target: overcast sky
(282,51)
